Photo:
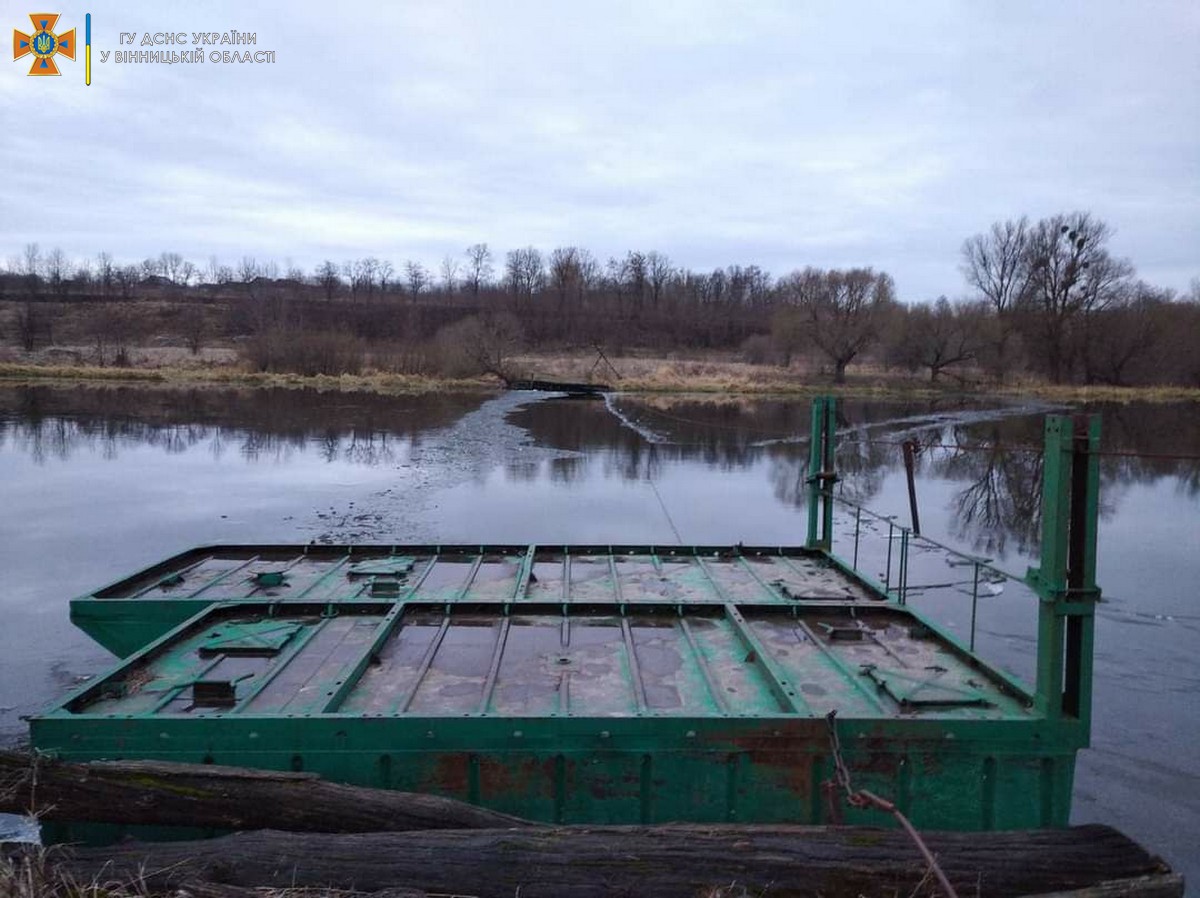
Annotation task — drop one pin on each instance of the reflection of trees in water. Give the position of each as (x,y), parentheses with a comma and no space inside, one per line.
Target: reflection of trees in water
(1002,497)
(723,435)
(52,423)
(998,503)
(567,468)
(1000,465)
(523,471)
(1148,429)
(715,432)
(998,506)
(860,467)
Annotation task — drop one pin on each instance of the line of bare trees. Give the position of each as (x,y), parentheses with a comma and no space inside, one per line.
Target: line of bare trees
(1054,285)
(1046,298)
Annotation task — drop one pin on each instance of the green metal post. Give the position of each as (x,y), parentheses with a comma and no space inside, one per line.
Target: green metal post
(815,444)
(830,458)
(1065,581)
(822,449)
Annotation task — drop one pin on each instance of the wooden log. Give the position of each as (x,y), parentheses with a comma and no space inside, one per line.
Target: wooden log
(1164,885)
(166,794)
(672,860)
(198,889)
(1161,885)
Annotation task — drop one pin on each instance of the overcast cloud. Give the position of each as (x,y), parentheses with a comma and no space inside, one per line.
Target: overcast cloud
(780,134)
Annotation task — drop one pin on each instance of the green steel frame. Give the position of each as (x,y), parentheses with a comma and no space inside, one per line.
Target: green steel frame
(951,771)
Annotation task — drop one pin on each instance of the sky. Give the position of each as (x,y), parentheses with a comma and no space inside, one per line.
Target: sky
(781,134)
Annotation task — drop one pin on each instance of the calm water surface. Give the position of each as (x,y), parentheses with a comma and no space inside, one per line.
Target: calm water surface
(95,483)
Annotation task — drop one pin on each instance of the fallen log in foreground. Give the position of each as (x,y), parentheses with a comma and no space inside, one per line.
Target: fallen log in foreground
(1161,885)
(672,860)
(166,794)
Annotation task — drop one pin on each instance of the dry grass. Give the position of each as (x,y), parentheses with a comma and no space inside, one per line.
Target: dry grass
(35,874)
(38,873)
(370,382)
(726,375)
(715,373)
(1069,393)
(710,376)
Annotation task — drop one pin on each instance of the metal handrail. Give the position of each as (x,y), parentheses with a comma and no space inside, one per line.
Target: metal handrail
(985,563)
(907,536)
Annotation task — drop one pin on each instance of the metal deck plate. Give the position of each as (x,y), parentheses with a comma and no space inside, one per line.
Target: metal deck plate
(492,573)
(538,660)
(133,612)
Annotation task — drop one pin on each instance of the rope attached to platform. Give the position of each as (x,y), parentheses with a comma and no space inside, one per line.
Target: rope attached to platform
(862,798)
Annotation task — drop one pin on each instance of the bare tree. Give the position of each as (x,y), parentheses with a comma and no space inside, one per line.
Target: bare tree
(250,275)
(31,270)
(587,275)
(564,272)
(757,290)
(216,274)
(479,267)
(195,327)
(838,311)
(362,274)
(633,272)
(996,264)
(481,344)
(82,275)
(936,336)
(658,271)
(58,272)
(716,287)
(327,278)
(1115,342)
(111,329)
(449,274)
(1071,274)
(127,278)
(176,269)
(524,272)
(105,271)
(417,276)
(31,325)
(386,272)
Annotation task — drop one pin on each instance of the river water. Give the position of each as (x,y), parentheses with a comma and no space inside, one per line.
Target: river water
(98,482)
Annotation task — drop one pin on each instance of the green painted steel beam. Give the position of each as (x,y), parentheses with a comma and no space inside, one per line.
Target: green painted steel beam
(778,680)
(1065,578)
(350,679)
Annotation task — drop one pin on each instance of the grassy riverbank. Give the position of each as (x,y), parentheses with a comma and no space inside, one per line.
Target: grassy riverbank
(638,375)
(234,377)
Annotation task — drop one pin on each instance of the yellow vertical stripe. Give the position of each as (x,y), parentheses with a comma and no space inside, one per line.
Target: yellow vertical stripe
(87,65)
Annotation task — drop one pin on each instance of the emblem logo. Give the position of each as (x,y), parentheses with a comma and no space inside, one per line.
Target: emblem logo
(44,44)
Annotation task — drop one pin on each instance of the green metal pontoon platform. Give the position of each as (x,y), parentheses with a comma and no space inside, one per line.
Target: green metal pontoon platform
(601,684)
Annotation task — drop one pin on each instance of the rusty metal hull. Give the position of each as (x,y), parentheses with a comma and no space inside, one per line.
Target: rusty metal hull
(605,704)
